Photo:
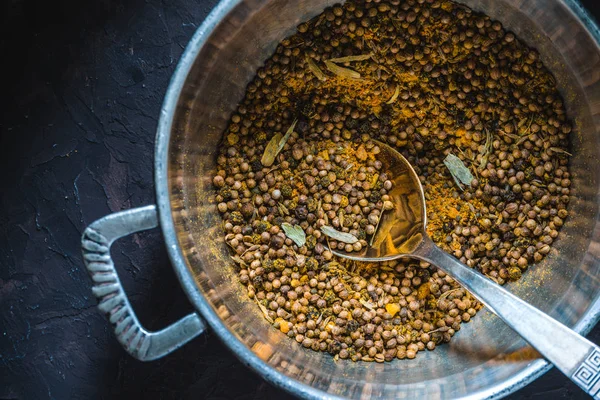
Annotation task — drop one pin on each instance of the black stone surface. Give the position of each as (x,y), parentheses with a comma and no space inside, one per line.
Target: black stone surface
(82,85)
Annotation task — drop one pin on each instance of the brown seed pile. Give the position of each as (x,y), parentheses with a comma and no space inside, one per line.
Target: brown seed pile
(430,78)
(318,184)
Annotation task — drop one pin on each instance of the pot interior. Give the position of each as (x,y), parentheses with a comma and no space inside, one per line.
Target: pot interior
(485,357)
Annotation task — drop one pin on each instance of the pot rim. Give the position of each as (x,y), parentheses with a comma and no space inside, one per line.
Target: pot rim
(245,355)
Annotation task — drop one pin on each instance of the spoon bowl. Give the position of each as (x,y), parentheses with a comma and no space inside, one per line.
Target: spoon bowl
(401,229)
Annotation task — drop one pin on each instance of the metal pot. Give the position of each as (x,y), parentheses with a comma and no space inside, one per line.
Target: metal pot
(486,359)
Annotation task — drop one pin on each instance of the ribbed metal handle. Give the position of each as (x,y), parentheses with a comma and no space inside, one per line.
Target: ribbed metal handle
(112,300)
(571,353)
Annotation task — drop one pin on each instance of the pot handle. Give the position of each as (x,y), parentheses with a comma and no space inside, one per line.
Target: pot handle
(112,300)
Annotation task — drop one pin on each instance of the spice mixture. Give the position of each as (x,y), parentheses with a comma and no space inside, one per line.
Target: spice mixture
(298,173)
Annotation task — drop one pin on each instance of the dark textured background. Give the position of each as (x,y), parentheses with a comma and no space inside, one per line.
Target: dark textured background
(82,86)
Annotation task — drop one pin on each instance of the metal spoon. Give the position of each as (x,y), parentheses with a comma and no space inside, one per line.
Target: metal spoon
(401,233)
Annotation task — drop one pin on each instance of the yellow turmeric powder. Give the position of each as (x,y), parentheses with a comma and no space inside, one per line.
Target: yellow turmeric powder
(444,209)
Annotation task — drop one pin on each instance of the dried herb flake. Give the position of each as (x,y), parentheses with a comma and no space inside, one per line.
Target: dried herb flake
(276,145)
(314,68)
(367,304)
(294,232)
(239,261)
(282,209)
(339,236)
(341,71)
(487,149)
(360,57)
(394,96)
(458,170)
(559,150)
(264,311)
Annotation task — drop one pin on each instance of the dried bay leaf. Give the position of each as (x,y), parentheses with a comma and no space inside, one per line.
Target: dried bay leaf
(287,136)
(294,232)
(339,236)
(275,146)
(341,71)
(271,152)
(458,170)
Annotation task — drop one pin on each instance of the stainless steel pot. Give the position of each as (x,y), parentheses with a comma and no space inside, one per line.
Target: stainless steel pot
(486,359)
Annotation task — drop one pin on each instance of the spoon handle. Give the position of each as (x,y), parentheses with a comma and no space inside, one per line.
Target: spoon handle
(571,353)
